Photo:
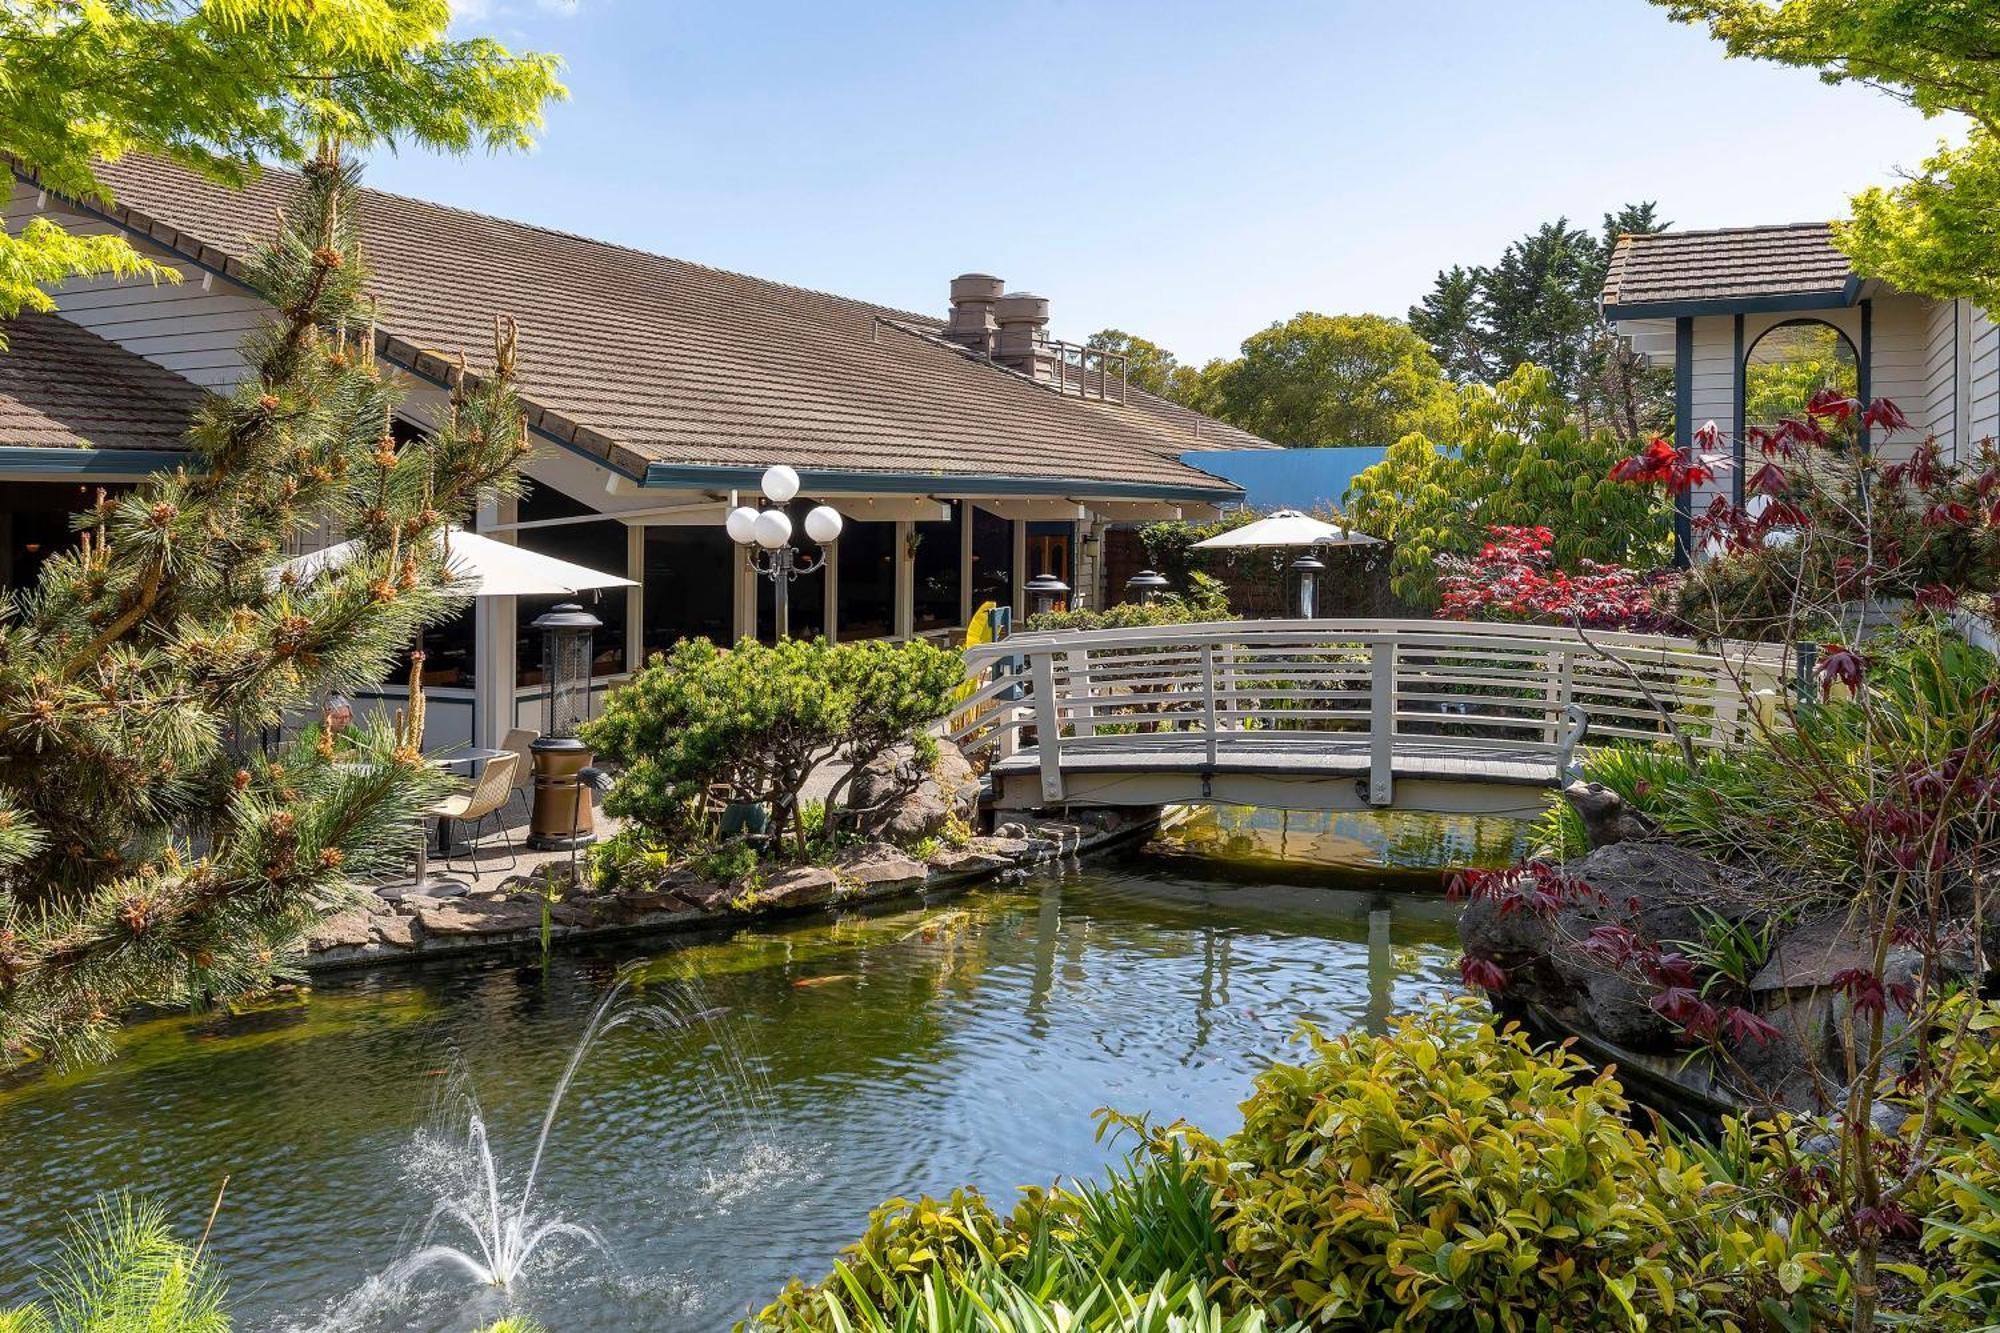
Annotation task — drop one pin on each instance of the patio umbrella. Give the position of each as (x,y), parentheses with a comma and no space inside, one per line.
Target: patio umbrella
(486,568)
(1283,527)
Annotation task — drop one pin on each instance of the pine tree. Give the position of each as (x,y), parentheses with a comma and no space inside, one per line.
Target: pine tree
(150,852)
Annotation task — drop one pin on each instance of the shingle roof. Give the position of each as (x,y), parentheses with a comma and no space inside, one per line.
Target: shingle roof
(1735,265)
(63,387)
(641,359)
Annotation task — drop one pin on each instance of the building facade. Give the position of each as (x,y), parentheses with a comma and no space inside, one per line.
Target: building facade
(1752,318)
(967,453)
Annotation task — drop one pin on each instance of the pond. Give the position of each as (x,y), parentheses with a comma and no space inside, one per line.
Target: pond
(784,1079)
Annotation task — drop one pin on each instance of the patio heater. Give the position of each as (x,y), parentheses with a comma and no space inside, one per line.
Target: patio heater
(1147,586)
(770,531)
(1309,568)
(1045,591)
(562,813)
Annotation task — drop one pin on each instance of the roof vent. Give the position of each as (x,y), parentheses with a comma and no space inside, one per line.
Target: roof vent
(1023,340)
(973,296)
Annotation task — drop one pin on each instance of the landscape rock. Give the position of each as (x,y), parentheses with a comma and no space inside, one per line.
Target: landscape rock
(478,916)
(1607,820)
(967,861)
(398,932)
(874,864)
(799,886)
(1011,829)
(343,930)
(1007,847)
(894,797)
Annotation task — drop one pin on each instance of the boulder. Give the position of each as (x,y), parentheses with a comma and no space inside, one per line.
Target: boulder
(895,798)
(968,861)
(799,886)
(1606,818)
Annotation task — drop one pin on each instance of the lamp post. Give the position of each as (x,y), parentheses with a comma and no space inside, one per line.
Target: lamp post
(562,813)
(1044,591)
(1310,568)
(766,536)
(1147,585)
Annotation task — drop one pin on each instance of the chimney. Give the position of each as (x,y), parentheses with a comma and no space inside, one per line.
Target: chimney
(1022,342)
(972,298)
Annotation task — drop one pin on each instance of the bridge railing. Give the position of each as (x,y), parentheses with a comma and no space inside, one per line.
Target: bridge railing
(1232,686)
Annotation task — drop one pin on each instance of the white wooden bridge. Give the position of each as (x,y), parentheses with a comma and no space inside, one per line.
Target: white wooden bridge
(1442,716)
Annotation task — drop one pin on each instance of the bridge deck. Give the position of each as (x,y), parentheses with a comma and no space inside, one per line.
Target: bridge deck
(1303,755)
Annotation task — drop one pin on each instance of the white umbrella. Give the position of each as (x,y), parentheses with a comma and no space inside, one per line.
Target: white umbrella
(1284,527)
(484,568)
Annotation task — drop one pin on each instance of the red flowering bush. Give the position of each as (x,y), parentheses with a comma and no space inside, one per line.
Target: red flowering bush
(1825,516)
(1510,580)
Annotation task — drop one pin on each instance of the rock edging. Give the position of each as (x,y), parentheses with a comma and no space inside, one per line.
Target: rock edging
(400,925)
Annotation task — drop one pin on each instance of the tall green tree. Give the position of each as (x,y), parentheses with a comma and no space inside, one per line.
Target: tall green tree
(1938,233)
(1318,380)
(1538,304)
(222,85)
(1148,365)
(1509,455)
(150,852)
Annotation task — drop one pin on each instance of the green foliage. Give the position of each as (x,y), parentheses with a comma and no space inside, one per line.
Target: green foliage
(1647,778)
(1511,456)
(122,1270)
(227,84)
(147,854)
(756,720)
(1456,1172)
(1205,599)
(1539,305)
(1148,365)
(1789,365)
(1317,380)
(1938,233)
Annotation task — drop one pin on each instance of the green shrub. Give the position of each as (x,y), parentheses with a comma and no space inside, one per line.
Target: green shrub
(1206,599)
(756,720)
(1451,1176)
(122,1270)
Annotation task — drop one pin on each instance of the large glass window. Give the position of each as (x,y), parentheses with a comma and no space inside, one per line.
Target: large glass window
(597,545)
(867,593)
(1790,363)
(35,524)
(688,592)
(937,572)
(992,559)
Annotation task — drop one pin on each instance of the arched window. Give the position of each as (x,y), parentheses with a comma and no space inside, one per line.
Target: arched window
(1791,362)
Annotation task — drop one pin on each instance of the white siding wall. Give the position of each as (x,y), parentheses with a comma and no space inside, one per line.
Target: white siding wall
(1900,337)
(1714,394)
(183,327)
(1942,348)
(1983,392)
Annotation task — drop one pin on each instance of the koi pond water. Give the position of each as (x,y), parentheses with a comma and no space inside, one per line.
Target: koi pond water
(746,1098)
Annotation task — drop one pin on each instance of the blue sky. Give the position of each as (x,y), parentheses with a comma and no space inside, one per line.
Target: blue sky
(1190,172)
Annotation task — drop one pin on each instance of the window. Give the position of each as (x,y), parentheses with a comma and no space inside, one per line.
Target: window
(599,545)
(867,591)
(1049,548)
(937,571)
(688,592)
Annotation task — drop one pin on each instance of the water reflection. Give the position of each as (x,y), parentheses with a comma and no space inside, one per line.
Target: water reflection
(836,1063)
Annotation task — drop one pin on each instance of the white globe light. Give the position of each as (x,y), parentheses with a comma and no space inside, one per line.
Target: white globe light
(742,525)
(823,524)
(780,484)
(773,529)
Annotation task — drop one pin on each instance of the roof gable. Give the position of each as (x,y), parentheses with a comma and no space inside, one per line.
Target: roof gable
(63,387)
(1789,267)
(642,360)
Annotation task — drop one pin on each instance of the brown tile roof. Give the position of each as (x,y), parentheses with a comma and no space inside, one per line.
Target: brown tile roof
(1714,270)
(645,360)
(63,387)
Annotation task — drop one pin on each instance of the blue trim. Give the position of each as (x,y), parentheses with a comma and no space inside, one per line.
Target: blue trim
(1864,377)
(1734,305)
(86,462)
(708,476)
(1683,434)
(1742,409)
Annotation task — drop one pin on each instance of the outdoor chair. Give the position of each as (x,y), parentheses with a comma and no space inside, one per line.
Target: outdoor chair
(487,800)
(518,740)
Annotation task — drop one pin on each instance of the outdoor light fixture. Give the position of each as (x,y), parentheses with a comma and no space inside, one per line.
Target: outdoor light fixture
(766,536)
(1309,568)
(562,813)
(1045,590)
(1147,585)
